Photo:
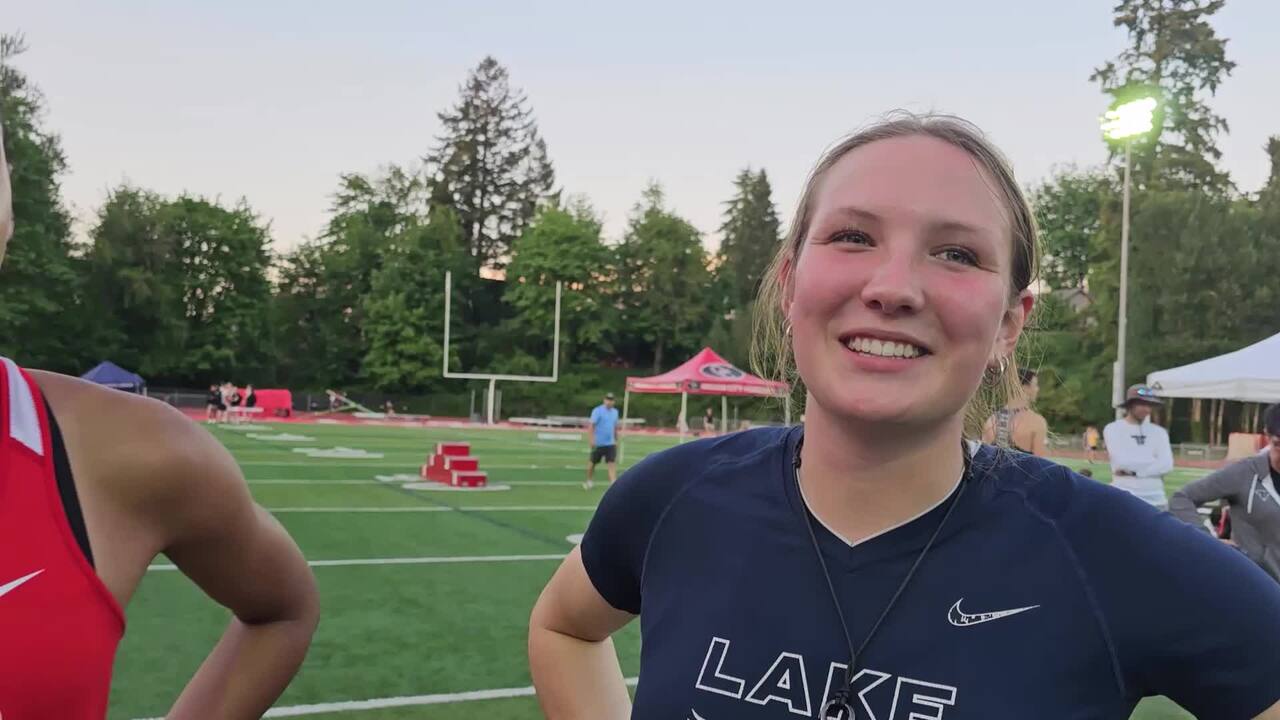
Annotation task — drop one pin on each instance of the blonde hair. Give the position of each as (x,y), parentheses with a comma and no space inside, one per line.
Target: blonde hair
(771,347)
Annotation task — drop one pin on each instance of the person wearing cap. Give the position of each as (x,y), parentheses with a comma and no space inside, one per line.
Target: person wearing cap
(1139,449)
(1251,488)
(604,440)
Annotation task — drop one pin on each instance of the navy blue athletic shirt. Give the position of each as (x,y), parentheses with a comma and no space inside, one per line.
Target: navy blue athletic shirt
(1047,595)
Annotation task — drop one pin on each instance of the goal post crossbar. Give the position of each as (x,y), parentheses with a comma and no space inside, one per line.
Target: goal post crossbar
(493,378)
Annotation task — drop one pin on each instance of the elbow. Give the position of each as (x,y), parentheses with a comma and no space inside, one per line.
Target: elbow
(299,608)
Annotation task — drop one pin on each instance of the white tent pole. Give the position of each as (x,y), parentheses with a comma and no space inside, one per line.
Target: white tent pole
(683,420)
(786,404)
(622,446)
(724,414)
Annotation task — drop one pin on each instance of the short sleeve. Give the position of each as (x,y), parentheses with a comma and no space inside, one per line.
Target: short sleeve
(617,539)
(1191,618)
(595,415)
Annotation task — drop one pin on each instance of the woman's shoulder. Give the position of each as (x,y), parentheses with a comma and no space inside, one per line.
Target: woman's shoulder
(675,467)
(1055,492)
(1108,531)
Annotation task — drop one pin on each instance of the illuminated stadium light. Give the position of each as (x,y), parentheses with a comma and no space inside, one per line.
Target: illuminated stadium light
(1130,119)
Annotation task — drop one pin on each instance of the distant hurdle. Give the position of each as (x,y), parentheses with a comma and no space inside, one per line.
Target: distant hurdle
(452,464)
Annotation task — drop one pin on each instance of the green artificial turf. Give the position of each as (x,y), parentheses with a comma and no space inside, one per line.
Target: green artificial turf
(403,630)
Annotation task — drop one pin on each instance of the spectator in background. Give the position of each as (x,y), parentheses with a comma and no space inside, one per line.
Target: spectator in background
(250,397)
(1139,449)
(709,422)
(1251,488)
(1016,425)
(1091,444)
(604,440)
(234,399)
(214,406)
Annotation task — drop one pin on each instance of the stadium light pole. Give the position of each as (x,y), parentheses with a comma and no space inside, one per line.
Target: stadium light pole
(1124,123)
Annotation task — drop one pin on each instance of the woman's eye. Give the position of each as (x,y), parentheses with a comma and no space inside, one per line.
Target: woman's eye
(959,255)
(853,237)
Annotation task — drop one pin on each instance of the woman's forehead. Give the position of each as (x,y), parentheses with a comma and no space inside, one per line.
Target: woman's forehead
(915,177)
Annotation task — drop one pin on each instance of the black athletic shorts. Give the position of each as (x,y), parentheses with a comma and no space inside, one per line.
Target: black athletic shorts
(608,453)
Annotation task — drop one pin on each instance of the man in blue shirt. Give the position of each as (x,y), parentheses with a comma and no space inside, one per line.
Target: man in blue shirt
(604,440)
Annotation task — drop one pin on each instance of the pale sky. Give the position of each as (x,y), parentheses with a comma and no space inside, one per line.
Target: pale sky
(273,100)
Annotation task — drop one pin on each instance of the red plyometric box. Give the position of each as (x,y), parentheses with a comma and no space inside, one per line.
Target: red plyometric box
(461,463)
(469,478)
(453,465)
(460,449)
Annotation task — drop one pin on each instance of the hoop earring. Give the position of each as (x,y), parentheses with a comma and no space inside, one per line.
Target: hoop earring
(1004,364)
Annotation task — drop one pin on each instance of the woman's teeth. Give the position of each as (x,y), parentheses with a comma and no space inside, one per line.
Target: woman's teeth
(883,348)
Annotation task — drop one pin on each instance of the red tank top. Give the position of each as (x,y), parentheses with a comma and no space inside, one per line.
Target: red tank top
(59,625)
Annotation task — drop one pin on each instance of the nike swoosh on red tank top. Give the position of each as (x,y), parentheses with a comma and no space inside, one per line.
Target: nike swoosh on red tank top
(59,625)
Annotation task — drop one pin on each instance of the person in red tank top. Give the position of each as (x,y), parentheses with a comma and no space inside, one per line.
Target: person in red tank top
(94,484)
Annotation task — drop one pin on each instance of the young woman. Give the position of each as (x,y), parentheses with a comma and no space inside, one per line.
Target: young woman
(871,563)
(1016,425)
(94,484)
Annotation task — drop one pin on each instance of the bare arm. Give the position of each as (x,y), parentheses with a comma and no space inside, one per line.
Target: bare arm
(989,431)
(575,668)
(244,560)
(1039,436)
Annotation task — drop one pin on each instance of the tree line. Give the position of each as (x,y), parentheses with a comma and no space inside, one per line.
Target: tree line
(187,290)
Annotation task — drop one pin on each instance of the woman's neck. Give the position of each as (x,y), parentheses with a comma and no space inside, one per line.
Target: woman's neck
(861,482)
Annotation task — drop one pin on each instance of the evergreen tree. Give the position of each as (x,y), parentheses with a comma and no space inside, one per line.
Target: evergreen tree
(490,165)
(1174,49)
(749,236)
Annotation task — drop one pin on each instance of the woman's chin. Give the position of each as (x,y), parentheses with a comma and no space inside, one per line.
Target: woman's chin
(907,407)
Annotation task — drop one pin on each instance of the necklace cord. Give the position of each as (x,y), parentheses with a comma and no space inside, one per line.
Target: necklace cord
(842,696)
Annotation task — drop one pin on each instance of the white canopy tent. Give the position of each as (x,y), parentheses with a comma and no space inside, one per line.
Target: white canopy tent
(1250,374)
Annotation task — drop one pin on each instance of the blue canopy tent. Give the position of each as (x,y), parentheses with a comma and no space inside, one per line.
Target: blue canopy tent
(113,376)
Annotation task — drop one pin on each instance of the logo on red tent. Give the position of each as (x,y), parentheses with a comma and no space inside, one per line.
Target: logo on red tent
(723,371)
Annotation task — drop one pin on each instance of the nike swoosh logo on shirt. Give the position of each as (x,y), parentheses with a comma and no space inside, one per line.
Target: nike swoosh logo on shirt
(11,586)
(960,618)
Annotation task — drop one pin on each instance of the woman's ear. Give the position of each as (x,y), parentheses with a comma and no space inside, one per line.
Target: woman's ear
(1013,323)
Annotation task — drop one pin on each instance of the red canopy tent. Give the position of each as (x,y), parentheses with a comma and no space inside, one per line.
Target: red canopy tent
(705,374)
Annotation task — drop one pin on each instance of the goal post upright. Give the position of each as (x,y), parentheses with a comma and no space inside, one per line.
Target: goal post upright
(493,378)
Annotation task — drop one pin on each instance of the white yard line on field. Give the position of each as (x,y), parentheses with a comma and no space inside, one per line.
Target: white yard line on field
(403,701)
(439,560)
(320,462)
(295,481)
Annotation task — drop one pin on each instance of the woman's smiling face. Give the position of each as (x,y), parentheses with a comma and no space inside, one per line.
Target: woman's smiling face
(901,296)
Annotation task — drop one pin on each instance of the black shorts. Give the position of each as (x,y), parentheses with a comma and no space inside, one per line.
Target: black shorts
(608,453)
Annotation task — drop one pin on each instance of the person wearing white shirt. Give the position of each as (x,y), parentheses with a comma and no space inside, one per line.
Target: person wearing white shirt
(1139,449)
